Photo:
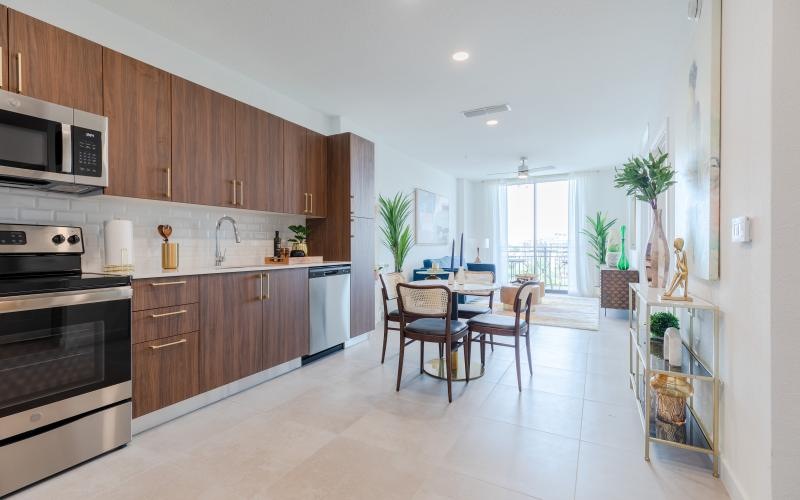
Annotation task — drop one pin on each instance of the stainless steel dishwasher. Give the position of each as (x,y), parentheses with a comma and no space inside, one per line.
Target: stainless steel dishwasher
(329,310)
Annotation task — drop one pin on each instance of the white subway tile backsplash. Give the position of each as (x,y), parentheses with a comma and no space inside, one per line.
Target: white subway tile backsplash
(194,226)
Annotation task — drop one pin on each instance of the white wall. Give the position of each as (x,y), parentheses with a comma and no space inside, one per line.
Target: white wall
(601,195)
(744,292)
(785,273)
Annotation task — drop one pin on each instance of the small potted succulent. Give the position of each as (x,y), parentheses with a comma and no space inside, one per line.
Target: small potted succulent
(612,255)
(659,322)
(299,245)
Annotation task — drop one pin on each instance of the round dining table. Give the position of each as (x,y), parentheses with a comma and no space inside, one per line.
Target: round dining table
(436,367)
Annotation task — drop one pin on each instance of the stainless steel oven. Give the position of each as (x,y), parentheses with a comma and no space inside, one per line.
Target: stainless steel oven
(51,147)
(65,356)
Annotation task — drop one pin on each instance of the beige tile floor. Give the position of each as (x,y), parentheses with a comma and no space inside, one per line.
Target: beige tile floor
(337,429)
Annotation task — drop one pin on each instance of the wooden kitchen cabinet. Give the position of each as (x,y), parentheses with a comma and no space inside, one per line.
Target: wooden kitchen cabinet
(347,231)
(203,145)
(286,334)
(316,173)
(259,159)
(54,65)
(294,168)
(230,327)
(4,47)
(165,371)
(362,276)
(136,100)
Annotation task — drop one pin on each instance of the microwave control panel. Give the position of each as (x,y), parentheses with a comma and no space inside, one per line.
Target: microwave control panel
(87,152)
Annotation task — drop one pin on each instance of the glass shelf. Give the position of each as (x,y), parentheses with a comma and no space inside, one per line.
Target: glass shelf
(691,366)
(688,435)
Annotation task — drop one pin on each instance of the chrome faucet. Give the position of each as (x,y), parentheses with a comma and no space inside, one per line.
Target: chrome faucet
(219,258)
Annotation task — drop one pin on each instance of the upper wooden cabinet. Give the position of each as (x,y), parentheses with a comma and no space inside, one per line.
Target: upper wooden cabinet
(294,168)
(203,146)
(259,159)
(54,65)
(4,47)
(362,176)
(316,173)
(136,99)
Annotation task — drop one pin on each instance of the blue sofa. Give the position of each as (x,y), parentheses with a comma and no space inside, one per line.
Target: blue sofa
(444,263)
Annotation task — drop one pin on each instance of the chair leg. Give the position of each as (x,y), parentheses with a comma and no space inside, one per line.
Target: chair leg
(441,351)
(449,377)
(528,347)
(385,338)
(516,355)
(421,357)
(491,341)
(400,361)
(467,354)
(483,348)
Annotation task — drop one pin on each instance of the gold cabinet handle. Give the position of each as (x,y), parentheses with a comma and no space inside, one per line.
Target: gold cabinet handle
(268,283)
(181,341)
(261,286)
(311,208)
(305,204)
(168,170)
(19,72)
(167,283)
(164,315)
(241,193)
(234,191)
(1,67)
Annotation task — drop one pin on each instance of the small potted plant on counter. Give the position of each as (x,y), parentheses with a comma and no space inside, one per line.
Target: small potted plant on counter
(659,322)
(613,249)
(299,245)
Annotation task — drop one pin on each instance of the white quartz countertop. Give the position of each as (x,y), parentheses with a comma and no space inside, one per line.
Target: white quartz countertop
(190,271)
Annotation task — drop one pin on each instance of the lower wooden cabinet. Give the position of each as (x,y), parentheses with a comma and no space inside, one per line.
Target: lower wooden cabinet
(362,276)
(165,371)
(285,316)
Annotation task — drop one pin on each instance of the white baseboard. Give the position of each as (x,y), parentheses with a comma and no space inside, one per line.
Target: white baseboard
(731,483)
(356,340)
(181,408)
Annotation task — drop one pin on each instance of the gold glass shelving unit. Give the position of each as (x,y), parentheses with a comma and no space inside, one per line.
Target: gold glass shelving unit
(646,359)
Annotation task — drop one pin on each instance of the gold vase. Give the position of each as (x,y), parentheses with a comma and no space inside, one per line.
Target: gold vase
(169,256)
(303,247)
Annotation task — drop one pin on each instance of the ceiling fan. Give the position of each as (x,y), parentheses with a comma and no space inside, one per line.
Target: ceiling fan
(523,170)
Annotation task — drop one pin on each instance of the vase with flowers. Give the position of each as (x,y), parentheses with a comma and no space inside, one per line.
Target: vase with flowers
(645,178)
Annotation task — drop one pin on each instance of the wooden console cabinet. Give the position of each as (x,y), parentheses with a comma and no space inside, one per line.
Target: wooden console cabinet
(614,287)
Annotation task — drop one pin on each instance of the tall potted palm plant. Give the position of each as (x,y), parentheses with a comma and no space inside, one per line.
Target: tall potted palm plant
(394,212)
(645,178)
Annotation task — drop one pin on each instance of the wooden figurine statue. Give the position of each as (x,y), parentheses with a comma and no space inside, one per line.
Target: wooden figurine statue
(681,277)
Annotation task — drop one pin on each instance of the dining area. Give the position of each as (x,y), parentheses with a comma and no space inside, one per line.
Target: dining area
(455,316)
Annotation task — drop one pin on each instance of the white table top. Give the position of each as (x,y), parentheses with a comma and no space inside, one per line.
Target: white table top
(456,288)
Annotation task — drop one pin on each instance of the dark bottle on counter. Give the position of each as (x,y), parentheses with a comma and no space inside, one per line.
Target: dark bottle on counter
(276,252)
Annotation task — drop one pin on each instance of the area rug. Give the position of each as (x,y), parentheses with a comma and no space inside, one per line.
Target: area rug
(565,311)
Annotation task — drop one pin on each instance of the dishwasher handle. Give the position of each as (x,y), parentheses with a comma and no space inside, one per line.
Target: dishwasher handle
(324,272)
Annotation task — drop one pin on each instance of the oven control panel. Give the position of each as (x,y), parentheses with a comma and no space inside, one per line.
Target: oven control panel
(87,152)
(31,239)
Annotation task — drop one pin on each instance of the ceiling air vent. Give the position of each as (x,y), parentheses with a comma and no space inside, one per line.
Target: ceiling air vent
(486,110)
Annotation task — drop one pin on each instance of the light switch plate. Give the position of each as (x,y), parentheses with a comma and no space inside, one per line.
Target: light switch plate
(740,229)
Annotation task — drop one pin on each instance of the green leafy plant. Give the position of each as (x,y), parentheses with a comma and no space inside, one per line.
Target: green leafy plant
(597,234)
(645,177)
(660,321)
(300,233)
(394,212)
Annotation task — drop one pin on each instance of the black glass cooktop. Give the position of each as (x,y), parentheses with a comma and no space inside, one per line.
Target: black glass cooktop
(21,285)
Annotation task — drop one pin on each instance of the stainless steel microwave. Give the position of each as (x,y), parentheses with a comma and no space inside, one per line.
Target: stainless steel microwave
(51,147)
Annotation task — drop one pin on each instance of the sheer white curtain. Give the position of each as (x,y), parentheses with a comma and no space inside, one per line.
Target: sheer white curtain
(580,269)
(499,203)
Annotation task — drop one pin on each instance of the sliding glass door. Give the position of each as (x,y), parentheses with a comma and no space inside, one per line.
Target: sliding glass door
(537,233)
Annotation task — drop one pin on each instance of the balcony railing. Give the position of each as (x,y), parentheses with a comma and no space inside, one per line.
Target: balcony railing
(547,261)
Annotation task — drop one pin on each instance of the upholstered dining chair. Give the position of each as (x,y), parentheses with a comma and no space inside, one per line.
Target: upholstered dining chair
(425,317)
(389,282)
(507,326)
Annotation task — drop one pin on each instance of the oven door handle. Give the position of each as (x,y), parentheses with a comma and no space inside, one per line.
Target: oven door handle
(63,299)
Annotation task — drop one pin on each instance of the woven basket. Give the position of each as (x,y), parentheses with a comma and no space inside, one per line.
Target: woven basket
(671,409)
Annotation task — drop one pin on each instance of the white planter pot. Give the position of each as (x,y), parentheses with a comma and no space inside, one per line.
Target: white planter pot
(612,258)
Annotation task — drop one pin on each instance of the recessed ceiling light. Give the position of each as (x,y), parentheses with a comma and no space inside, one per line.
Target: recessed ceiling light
(492,122)
(461,56)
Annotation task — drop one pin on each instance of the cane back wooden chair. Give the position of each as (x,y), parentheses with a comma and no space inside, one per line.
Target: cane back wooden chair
(507,326)
(389,282)
(425,317)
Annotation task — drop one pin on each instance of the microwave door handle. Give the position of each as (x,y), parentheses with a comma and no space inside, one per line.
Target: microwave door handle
(66,148)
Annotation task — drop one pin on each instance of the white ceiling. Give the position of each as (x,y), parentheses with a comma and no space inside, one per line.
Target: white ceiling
(583,77)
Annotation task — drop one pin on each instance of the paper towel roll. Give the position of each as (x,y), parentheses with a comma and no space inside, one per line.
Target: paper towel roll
(118,239)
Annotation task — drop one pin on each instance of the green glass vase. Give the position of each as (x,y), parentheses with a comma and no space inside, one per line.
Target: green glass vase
(623,264)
